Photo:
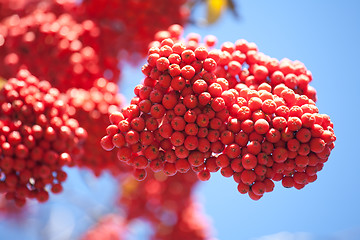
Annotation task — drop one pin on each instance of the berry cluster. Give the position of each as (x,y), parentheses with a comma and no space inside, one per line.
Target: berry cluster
(135,21)
(167,204)
(67,50)
(91,108)
(37,138)
(233,109)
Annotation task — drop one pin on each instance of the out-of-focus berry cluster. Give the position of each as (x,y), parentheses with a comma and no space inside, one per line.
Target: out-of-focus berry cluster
(165,203)
(91,108)
(60,49)
(137,25)
(25,7)
(37,139)
(168,204)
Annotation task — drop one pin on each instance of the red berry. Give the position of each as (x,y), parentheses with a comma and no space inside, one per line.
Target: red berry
(203,175)
(258,188)
(249,161)
(170,169)
(261,126)
(280,154)
(106,143)
(139,174)
(248,177)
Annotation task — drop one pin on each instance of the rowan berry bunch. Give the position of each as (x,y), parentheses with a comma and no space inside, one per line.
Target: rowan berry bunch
(135,21)
(37,139)
(91,109)
(67,50)
(232,109)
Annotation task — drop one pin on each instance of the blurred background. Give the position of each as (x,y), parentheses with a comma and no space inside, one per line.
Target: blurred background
(324,36)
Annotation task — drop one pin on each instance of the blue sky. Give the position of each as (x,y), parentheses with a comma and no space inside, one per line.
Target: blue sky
(325,36)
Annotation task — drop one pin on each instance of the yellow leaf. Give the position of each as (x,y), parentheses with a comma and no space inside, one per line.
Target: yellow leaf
(215,9)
